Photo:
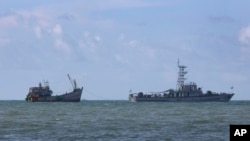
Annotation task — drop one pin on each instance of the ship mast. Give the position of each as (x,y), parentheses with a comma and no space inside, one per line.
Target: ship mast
(181,74)
(73,82)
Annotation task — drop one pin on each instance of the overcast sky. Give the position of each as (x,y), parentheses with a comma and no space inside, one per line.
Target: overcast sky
(112,46)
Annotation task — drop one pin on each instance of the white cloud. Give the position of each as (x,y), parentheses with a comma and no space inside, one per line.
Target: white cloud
(133,43)
(57,30)
(26,18)
(244,36)
(97,38)
(39,16)
(60,44)
(8,20)
(244,39)
(89,42)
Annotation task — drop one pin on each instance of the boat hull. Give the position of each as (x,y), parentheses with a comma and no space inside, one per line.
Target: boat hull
(74,96)
(205,98)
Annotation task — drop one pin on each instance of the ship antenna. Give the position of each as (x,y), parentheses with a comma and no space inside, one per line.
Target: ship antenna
(181,74)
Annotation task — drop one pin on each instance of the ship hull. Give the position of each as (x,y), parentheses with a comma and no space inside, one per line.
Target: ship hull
(205,98)
(74,96)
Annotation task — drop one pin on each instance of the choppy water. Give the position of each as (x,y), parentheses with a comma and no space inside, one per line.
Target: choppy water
(120,120)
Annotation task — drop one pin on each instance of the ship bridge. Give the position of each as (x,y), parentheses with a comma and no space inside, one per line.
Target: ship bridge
(188,89)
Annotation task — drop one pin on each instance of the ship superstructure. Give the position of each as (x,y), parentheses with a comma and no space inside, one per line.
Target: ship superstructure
(189,92)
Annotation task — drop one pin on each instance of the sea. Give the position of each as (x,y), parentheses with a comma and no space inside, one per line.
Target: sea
(120,120)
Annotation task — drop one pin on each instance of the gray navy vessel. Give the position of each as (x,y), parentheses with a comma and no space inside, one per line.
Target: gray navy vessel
(43,93)
(184,93)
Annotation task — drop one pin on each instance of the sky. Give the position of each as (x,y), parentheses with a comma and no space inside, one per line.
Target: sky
(111,47)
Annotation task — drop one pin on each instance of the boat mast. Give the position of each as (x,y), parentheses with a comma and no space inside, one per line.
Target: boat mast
(73,82)
(181,74)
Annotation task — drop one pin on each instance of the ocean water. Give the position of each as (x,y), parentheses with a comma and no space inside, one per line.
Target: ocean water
(120,120)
